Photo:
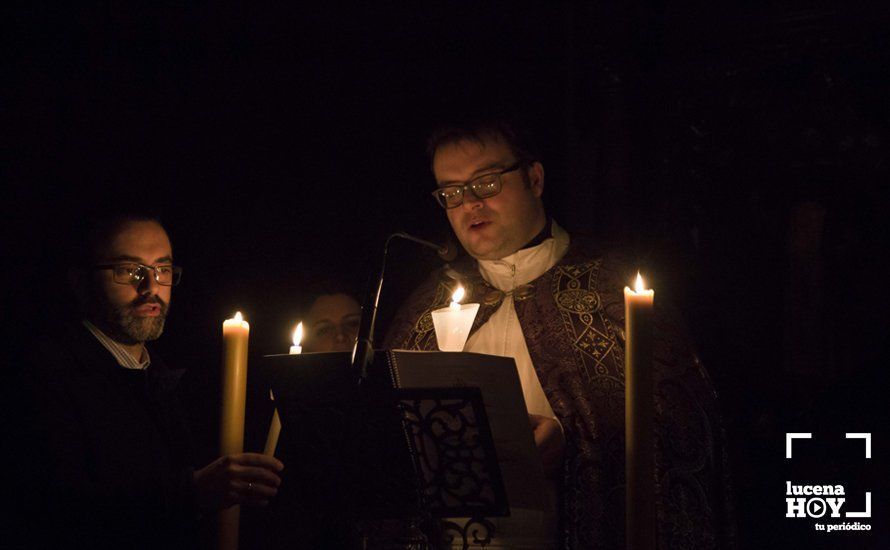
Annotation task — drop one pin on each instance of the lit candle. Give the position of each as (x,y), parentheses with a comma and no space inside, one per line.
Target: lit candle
(639,412)
(456,298)
(296,349)
(236,332)
(275,427)
(453,323)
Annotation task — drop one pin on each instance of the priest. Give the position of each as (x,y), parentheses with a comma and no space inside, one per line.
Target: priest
(554,303)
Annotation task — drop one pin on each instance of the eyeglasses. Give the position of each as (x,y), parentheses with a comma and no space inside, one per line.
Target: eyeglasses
(128,274)
(483,187)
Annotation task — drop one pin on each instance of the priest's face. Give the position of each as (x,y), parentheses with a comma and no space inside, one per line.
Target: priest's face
(497,226)
(134,312)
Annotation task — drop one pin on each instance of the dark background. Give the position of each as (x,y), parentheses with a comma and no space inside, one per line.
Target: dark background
(738,150)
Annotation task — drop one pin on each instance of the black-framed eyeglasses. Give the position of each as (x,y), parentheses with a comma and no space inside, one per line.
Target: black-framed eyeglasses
(134,273)
(482,187)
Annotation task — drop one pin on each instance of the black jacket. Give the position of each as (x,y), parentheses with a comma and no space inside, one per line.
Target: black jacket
(106,455)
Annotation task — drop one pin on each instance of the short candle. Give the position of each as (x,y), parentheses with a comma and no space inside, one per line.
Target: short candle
(453,323)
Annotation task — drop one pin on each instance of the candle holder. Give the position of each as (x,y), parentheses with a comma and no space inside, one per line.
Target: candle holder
(453,326)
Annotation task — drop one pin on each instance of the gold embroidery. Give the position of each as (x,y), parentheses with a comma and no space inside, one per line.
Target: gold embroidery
(593,337)
(578,300)
(423,328)
(425,323)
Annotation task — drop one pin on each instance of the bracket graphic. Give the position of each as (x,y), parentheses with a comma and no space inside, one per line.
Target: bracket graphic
(866,437)
(789,437)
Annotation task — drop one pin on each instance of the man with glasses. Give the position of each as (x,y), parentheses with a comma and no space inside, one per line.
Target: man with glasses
(555,305)
(110,454)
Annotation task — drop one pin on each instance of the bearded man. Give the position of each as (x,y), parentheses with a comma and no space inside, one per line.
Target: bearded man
(108,456)
(555,305)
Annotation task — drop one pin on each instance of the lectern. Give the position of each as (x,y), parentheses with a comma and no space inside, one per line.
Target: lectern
(388,458)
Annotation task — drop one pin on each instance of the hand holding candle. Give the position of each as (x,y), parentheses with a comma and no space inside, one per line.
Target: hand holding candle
(639,412)
(453,323)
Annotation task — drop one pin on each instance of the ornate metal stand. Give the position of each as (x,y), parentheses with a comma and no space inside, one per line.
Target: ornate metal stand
(455,461)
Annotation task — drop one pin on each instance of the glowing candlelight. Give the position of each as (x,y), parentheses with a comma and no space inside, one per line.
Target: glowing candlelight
(456,298)
(639,287)
(296,349)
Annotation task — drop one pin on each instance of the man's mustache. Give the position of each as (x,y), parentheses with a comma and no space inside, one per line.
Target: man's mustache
(141,301)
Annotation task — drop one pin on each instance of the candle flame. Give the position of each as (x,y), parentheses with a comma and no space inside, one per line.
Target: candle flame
(458,294)
(298,334)
(238,316)
(638,285)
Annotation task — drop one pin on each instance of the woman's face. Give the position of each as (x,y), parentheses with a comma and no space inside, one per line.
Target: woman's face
(332,323)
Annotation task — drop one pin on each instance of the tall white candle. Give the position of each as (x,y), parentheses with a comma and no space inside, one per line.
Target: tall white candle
(236,332)
(639,422)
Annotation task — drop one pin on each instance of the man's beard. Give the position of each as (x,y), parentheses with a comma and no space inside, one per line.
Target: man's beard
(124,326)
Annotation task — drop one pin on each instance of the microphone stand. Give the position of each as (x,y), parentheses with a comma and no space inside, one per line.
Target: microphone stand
(363,350)
(363,357)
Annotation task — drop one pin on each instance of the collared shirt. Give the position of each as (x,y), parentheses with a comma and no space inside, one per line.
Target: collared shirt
(502,334)
(121,355)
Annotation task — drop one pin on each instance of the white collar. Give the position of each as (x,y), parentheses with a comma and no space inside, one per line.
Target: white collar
(527,264)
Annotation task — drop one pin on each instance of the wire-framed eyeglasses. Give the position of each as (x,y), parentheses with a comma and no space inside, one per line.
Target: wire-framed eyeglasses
(482,187)
(134,273)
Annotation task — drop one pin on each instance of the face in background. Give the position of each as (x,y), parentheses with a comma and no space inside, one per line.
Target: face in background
(333,323)
(131,313)
(492,228)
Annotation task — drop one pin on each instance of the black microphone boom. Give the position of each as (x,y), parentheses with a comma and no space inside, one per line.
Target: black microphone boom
(363,350)
(445,251)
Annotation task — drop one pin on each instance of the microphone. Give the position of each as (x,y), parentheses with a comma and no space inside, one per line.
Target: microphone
(363,350)
(447,251)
